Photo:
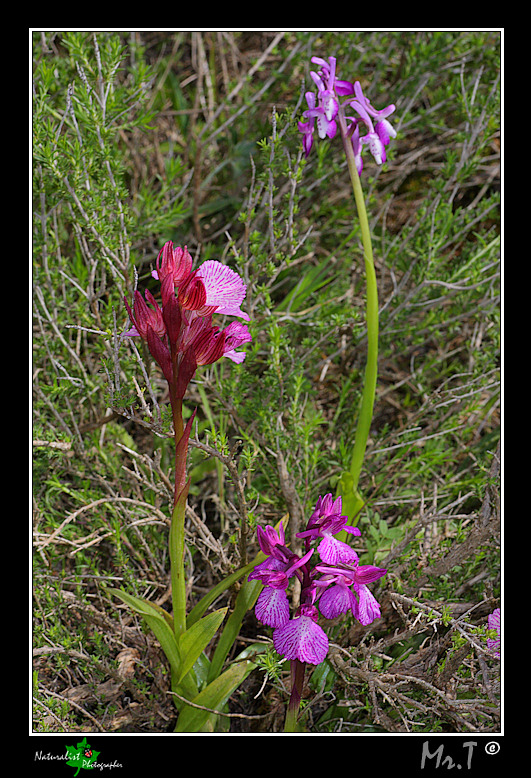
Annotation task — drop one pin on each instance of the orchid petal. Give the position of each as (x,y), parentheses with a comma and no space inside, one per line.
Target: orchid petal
(235,356)
(317,80)
(319,61)
(303,639)
(224,288)
(336,600)
(368,607)
(331,550)
(343,88)
(368,573)
(385,131)
(376,147)
(272,607)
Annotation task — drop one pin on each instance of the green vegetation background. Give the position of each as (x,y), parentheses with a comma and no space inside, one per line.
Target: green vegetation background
(144,137)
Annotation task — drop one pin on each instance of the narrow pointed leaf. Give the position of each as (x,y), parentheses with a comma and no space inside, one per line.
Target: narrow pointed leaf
(143,606)
(214,593)
(214,696)
(158,623)
(245,600)
(196,638)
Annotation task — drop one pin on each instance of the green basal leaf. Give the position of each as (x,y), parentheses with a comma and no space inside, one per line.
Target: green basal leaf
(196,638)
(214,696)
(311,282)
(159,624)
(143,606)
(245,600)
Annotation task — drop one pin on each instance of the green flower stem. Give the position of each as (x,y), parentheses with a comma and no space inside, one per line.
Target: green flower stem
(176,538)
(178,581)
(371,369)
(297,680)
(180,460)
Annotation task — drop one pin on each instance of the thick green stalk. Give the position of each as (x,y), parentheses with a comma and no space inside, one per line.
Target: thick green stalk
(180,461)
(371,369)
(297,680)
(176,539)
(178,581)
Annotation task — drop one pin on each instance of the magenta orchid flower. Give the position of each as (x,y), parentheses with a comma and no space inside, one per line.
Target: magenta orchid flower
(377,137)
(328,73)
(180,335)
(272,606)
(383,128)
(331,586)
(224,290)
(143,317)
(325,522)
(276,575)
(174,262)
(307,127)
(269,538)
(323,110)
(319,114)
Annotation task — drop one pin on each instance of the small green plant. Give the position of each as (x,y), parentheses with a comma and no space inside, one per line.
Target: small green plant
(181,337)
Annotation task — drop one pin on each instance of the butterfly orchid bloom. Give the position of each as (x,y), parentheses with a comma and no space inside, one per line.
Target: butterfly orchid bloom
(181,335)
(324,107)
(331,579)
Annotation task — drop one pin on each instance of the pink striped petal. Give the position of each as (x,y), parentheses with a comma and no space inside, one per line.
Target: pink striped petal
(301,638)
(224,287)
(272,607)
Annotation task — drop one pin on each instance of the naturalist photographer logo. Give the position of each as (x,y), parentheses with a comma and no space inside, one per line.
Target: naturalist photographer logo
(83,757)
(80,757)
